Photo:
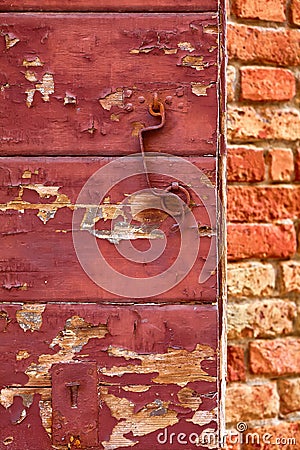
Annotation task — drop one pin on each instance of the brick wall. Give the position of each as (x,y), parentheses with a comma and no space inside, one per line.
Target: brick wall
(263,215)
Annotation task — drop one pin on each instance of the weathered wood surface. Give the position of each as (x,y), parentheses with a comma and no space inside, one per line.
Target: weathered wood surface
(73,84)
(74,92)
(109,5)
(38,198)
(157,371)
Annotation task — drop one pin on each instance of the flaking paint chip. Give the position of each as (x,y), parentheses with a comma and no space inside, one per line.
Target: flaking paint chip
(70,99)
(187,46)
(113,99)
(170,51)
(45,87)
(200,89)
(29,317)
(27,174)
(22,354)
(46,211)
(30,95)
(195,62)
(4,86)
(9,440)
(10,40)
(210,29)
(30,76)
(36,62)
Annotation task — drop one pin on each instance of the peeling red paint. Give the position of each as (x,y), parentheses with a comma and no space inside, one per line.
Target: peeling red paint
(89,70)
(144,333)
(81,367)
(109,5)
(36,214)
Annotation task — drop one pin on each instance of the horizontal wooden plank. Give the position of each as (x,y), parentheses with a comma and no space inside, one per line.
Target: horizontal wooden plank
(155,372)
(80,84)
(108,5)
(38,259)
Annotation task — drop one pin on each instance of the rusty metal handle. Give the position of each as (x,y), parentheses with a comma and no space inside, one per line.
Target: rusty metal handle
(157,109)
(175,186)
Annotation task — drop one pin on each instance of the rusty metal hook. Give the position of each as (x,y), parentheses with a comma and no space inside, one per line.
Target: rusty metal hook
(156,109)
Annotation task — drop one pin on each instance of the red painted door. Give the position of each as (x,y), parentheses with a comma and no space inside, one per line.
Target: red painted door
(111,225)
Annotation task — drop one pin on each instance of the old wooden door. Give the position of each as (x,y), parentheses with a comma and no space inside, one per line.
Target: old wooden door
(111,224)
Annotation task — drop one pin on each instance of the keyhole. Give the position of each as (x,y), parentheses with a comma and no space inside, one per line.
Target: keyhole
(74,385)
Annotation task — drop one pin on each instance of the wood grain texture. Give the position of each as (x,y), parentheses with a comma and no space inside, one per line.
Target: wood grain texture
(155,372)
(108,5)
(76,85)
(38,197)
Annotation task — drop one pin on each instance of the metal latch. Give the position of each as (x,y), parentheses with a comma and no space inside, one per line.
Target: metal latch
(75,405)
(157,109)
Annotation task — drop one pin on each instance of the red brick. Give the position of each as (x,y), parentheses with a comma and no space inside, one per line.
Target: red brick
(267,83)
(285,436)
(235,363)
(246,123)
(268,45)
(272,10)
(295,8)
(289,392)
(251,402)
(276,357)
(281,164)
(261,241)
(263,203)
(245,164)
(297,165)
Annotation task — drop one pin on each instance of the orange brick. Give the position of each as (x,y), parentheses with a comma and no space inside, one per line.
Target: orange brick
(245,164)
(263,203)
(289,391)
(272,10)
(235,363)
(251,402)
(251,43)
(269,83)
(297,164)
(232,436)
(281,164)
(261,241)
(246,123)
(295,9)
(275,357)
